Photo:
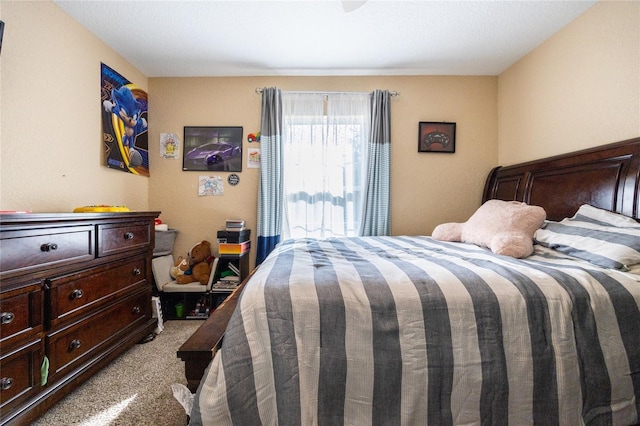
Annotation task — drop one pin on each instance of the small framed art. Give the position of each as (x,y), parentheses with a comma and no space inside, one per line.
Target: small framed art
(436,137)
(212,149)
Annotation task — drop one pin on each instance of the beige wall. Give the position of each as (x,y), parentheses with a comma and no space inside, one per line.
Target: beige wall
(581,88)
(51,153)
(427,189)
(578,89)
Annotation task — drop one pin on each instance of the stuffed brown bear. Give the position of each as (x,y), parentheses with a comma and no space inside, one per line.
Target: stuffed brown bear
(200,260)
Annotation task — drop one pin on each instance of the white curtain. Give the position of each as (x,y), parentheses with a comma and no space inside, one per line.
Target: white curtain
(325,143)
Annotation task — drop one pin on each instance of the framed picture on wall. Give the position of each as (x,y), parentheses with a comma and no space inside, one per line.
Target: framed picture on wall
(436,137)
(210,148)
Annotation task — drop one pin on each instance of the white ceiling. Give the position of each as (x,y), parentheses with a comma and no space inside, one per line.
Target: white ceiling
(304,37)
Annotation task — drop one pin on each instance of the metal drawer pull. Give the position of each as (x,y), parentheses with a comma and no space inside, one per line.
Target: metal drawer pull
(75,344)
(136,309)
(48,247)
(128,236)
(7,317)
(77,294)
(6,383)
(136,271)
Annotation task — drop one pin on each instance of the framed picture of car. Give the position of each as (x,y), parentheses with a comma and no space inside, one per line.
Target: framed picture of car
(212,149)
(436,137)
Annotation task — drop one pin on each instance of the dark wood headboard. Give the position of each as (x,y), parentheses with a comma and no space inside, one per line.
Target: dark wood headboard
(606,176)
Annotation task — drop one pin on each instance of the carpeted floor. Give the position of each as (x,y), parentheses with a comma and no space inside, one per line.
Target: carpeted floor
(135,389)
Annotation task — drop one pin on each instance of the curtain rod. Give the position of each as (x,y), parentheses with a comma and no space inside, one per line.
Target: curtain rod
(392,93)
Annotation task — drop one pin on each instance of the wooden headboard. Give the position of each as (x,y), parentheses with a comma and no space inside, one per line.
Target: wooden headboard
(606,176)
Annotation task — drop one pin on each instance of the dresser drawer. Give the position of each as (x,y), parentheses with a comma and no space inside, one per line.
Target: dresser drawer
(20,314)
(76,344)
(40,248)
(114,238)
(75,294)
(20,374)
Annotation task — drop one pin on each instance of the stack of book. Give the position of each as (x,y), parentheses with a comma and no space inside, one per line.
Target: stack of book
(227,283)
(234,242)
(229,279)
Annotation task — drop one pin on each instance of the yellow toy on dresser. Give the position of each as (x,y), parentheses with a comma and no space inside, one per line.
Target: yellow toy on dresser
(102,208)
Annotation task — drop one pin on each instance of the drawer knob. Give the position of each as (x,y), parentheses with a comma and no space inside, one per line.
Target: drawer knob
(136,271)
(77,294)
(75,344)
(136,309)
(7,317)
(6,383)
(128,236)
(48,247)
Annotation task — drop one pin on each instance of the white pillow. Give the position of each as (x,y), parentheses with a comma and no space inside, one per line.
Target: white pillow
(606,239)
(589,213)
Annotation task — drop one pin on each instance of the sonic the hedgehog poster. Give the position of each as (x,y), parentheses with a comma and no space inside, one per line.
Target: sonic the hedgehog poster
(124,123)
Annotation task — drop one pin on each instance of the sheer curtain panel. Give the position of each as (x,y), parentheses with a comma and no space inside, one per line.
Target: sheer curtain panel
(324,154)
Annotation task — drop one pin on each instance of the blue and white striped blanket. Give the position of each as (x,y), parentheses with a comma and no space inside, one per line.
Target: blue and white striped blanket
(413,331)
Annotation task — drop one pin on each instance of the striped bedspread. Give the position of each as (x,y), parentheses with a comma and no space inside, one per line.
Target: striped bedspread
(413,331)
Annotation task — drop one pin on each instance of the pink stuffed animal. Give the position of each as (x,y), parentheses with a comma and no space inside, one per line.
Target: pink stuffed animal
(505,227)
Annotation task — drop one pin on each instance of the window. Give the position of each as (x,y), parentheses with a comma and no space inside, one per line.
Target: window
(324,163)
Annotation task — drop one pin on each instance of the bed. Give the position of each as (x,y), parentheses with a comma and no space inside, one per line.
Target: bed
(412,330)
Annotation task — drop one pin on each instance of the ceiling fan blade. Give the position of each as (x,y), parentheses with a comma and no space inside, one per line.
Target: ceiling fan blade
(351,5)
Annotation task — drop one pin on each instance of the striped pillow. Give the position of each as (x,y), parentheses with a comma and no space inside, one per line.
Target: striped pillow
(588,213)
(606,239)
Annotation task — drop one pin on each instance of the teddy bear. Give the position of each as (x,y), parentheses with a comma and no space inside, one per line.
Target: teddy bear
(179,267)
(200,260)
(505,227)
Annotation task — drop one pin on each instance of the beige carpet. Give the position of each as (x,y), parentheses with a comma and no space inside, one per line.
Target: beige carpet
(135,389)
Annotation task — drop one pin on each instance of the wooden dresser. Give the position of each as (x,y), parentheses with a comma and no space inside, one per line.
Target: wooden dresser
(75,292)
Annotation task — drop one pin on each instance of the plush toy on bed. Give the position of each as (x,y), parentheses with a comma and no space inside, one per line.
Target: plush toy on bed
(200,260)
(505,227)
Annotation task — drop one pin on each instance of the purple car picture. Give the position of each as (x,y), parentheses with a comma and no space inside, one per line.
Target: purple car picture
(212,153)
(212,148)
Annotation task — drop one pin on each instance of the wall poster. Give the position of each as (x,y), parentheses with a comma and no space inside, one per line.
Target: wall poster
(169,145)
(124,123)
(212,148)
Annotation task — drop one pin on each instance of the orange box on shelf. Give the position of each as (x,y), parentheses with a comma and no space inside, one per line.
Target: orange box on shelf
(234,248)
